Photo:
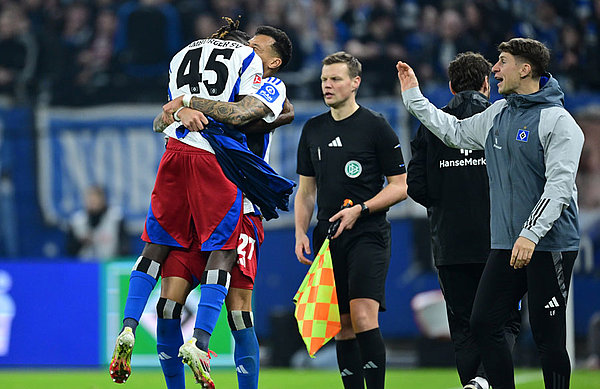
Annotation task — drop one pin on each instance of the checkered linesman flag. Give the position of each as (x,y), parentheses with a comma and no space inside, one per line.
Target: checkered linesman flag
(316,301)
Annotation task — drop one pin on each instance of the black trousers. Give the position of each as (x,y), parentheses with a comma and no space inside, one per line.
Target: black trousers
(546,280)
(459,284)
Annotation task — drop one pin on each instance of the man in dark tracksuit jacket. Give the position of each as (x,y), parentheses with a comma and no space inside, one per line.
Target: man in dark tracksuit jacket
(453,185)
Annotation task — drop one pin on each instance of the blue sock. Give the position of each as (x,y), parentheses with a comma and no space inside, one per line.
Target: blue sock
(168,341)
(213,290)
(246,356)
(142,281)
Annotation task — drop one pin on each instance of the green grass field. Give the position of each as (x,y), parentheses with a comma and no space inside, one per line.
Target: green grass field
(269,379)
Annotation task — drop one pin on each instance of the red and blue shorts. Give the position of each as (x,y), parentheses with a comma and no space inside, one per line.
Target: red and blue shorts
(190,263)
(191,192)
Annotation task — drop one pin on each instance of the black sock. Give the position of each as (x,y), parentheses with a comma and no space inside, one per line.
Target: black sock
(129,322)
(350,363)
(202,339)
(372,350)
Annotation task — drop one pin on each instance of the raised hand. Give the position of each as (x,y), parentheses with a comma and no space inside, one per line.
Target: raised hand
(406,76)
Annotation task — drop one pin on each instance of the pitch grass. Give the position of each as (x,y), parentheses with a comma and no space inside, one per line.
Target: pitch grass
(269,379)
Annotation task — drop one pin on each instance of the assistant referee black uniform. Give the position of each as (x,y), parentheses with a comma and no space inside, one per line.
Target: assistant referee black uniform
(349,159)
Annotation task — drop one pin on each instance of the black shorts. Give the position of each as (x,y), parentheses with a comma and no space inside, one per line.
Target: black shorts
(361,257)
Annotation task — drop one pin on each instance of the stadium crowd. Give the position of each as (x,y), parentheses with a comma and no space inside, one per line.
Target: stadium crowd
(86,52)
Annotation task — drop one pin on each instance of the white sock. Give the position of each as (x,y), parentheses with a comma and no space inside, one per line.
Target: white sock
(482,382)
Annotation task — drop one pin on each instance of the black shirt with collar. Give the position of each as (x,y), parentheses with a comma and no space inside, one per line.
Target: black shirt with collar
(349,158)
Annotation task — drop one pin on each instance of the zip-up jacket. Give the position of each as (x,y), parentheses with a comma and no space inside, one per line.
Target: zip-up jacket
(532,147)
(453,185)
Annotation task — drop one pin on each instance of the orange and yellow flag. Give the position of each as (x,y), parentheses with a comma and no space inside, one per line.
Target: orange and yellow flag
(316,303)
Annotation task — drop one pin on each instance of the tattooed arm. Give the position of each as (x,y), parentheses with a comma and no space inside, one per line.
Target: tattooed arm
(235,114)
(260,126)
(161,121)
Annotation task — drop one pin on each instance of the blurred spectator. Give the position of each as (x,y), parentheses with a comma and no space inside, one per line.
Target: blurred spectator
(420,44)
(591,26)
(204,26)
(72,34)
(148,35)
(96,64)
(588,178)
(452,41)
(18,53)
(98,231)
(75,36)
(568,58)
(378,51)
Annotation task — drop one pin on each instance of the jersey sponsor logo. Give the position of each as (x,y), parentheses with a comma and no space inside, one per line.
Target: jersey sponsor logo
(268,92)
(257,79)
(462,162)
(337,142)
(353,169)
(523,134)
(465,151)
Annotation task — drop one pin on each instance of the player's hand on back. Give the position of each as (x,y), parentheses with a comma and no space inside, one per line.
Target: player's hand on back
(406,76)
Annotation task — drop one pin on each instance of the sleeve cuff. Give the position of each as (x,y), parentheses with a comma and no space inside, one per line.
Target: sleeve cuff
(412,93)
(529,235)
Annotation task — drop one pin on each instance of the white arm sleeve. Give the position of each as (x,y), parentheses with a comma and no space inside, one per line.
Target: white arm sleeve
(272,94)
(469,133)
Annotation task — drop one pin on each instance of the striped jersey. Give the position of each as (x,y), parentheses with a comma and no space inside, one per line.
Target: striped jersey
(213,69)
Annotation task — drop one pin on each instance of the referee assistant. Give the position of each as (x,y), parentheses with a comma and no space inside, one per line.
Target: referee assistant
(453,185)
(346,153)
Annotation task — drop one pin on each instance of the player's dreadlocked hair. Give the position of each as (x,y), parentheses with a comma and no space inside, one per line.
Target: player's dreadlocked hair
(231,32)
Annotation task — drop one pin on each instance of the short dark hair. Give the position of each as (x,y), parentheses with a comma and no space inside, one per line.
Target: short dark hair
(354,65)
(528,50)
(282,45)
(231,32)
(468,71)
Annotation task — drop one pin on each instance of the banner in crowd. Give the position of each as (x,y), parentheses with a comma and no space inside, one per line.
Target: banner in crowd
(114,147)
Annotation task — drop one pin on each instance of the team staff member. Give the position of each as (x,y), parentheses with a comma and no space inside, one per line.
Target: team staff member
(346,153)
(532,147)
(453,185)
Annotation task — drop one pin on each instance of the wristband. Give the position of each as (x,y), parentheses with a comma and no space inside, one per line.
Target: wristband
(176,116)
(187,98)
(364,210)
